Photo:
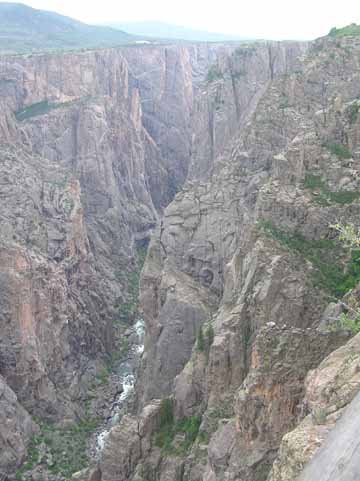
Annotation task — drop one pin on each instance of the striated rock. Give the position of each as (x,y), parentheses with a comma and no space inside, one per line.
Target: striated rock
(329,389)
(332,463)
(269,402)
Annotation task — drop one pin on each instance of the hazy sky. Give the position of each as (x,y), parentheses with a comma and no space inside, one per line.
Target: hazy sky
(278,19)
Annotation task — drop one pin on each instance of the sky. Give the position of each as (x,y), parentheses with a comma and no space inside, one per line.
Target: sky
(271,19)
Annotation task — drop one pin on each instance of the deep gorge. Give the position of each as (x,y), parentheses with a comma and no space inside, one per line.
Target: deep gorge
(194,187)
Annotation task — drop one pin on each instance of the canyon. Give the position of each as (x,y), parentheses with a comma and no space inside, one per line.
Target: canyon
(192,187)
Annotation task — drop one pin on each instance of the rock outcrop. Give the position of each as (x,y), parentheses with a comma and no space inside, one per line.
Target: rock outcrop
(329,390)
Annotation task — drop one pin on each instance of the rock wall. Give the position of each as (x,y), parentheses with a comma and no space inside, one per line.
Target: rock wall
(244,245)
(93,146)
(257,148)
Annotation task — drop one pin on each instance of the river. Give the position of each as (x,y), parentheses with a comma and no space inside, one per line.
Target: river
(126,373)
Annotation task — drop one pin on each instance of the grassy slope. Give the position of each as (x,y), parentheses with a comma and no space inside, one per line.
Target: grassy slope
(349,30)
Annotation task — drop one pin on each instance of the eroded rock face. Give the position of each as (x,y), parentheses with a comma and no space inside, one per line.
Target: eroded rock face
(239,241)
(99,146)
(16,430)
(329,390)
(93,146)
(262,157)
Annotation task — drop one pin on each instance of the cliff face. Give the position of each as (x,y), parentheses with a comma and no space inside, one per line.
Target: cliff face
(93,146)
(241,157)
(243,251)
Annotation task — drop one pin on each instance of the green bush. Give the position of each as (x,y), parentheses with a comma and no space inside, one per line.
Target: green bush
(353,112)
(169,428)
(339,150)
(210,334)
(323,196)
(42,108)
(336,277)
(103,376)
(214,73)
(200,341)
(313,182)
(352,325)
(127,310)
(166,412)
(67,446)
(319,416)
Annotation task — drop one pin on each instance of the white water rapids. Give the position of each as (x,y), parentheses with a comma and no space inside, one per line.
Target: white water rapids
(127,373)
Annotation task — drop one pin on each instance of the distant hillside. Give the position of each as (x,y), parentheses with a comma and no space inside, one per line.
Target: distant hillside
(350,30)
(172,32)
(24,29)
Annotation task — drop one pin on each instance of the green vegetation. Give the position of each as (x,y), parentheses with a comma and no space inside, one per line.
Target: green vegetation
(210,334)
(348,234)
(120,354)
(323,196)
(353,112)
(334,271)
(319,416)
(214,73)
(187,428)
(200,341)
(350,30)
(103,376)
(65,448)
(204,341)
(349,324)
(128,310)
(43,107)
(339,150)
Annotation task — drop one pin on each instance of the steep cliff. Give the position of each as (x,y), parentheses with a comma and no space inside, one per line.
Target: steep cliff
(243,251)
(242,157)
(93,146)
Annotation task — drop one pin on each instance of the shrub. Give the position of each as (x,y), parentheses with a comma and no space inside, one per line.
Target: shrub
(324,196)
(166,412)
(337,277)
(128,310)
(44,107)
(352,325)
(319,416)
(210,334)
(168,429)
(339,150)
(214,73)
(200,341)
(67,447)
(353,112)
